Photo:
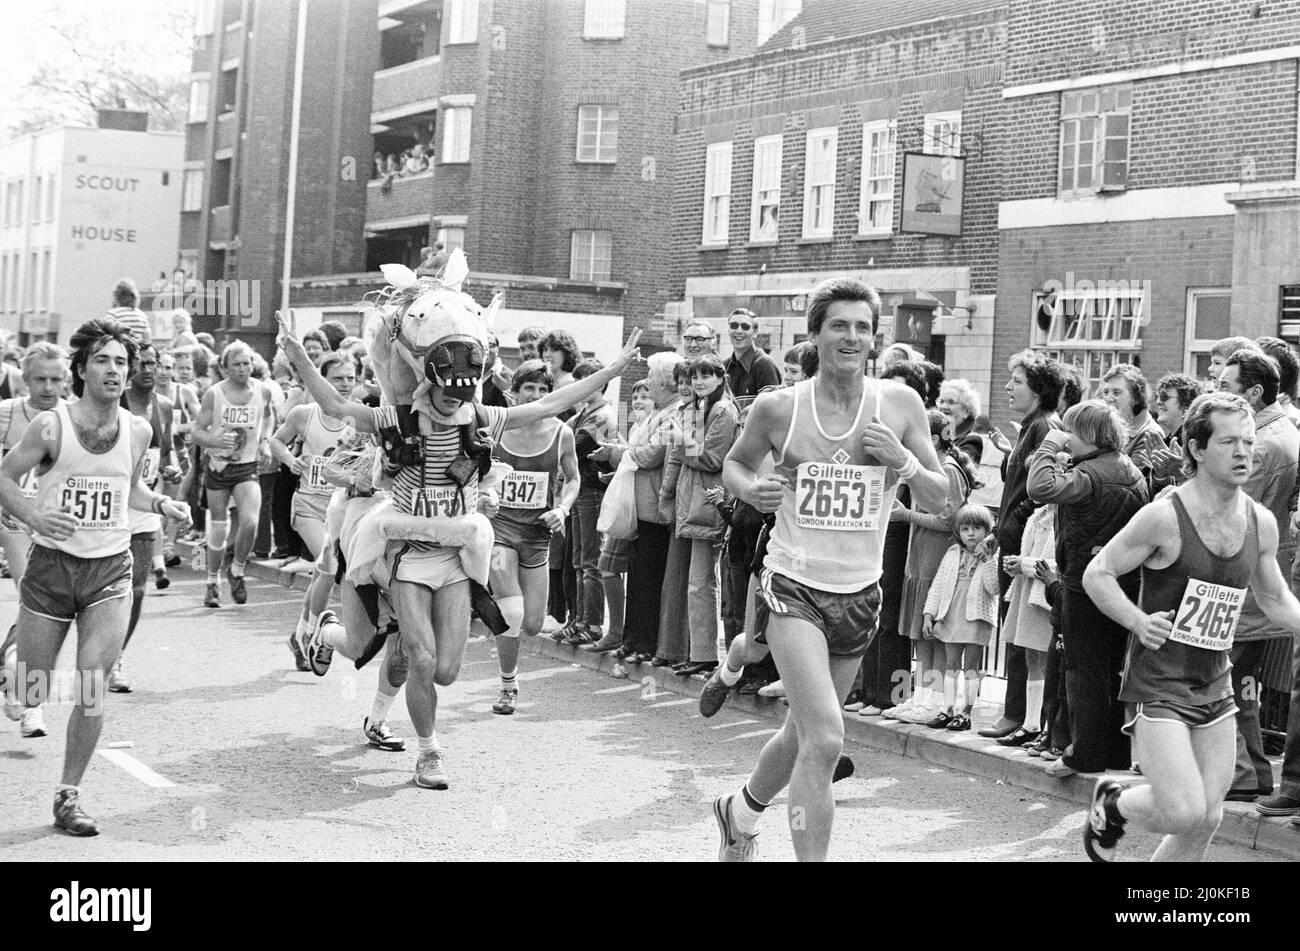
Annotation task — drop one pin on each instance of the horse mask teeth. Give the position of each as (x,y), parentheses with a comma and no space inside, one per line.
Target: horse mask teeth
(456,366)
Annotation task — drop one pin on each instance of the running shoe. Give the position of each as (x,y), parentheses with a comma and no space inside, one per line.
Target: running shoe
(318,653)
(505,704)
(714,694)
(171,559)
(160,579)
(735,846)
(774,689)
(379,736)
(212,597)
(298,660)
(853,703)
(238,590)
(1100,835)
(430,770)
(69,817)
(32,723)
(118,681)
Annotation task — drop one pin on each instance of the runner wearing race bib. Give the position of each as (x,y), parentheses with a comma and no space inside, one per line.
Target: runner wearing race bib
(841,444)
(45,368)
(428,589)
(185,408)
(1200,550)
(89,457)
(530,512)
(235,414)
(159,468)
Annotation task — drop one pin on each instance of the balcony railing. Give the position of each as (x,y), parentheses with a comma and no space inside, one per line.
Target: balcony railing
(220,228)
(227,131)
(414,82)
(405,197)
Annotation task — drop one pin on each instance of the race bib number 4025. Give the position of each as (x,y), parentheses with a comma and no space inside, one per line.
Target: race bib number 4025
(238,417)
(838,498)
(1207,616)
(524,490)
(98,503)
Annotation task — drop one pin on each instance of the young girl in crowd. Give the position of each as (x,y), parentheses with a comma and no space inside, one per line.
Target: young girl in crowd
(961,610)
(930,538)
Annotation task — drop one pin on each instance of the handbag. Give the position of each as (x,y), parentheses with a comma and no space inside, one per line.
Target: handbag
(617,517)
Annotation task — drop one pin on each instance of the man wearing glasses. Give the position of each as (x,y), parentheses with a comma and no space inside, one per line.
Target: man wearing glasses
(698,340)
(749,369)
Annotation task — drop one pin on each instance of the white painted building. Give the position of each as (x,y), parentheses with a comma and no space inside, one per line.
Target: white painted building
(81,208)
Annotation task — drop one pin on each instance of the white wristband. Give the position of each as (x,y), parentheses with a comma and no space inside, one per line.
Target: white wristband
(909,469)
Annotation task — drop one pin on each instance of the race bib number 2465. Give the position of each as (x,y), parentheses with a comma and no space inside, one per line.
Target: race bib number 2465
(1207,616)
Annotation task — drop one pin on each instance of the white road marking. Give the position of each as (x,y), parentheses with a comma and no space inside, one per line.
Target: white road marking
(136,768)
(671,703)
(725,726)
(751,735)
(623,689)
(619,716)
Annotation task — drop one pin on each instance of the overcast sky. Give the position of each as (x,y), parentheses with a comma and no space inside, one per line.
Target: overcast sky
(26,39)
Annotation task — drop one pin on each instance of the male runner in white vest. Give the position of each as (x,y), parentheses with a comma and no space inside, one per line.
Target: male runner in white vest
(89,458)
(841,443)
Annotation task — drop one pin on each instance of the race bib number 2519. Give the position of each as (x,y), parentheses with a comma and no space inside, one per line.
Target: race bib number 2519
(838,498)
(99,504)
(1207,616)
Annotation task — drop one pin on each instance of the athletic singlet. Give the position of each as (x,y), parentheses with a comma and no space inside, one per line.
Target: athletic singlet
(529,490)
(319,440)
(426,489)
(180,415)
(15,416)
(149,521)
(829,532)
(1206,593)
(94,486)
(245,420)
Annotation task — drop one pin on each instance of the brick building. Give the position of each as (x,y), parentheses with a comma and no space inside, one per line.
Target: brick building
(544,148)
(1155,205)
(791,169)
(238,146)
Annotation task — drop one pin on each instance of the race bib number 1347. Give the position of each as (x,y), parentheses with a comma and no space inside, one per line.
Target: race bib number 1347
(1207,616)
(838,498)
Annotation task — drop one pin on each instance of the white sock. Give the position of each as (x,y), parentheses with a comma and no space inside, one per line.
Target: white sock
(62,786)
(158,562)
(743,816)
(509,681)
(429,742)
(334,635)
(237,569)
(731,677)
(382,704)
(1033,704)
(304,627)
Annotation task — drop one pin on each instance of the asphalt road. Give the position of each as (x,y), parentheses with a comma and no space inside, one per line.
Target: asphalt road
(262,762)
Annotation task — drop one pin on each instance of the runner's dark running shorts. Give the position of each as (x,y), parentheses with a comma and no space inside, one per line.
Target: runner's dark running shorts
(60,586)
(849,621)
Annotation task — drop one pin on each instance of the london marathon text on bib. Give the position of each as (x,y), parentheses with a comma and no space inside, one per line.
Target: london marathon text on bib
(440,501)
(97,502)
(1207,616)
(525,490)
(838,498)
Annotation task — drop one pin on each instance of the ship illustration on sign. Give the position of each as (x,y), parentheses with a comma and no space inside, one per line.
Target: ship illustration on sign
(931,192)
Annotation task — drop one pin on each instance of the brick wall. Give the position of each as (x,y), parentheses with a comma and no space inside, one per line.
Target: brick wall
(900,74)
(1173,255)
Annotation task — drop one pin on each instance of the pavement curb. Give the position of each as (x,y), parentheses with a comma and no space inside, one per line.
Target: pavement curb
(965,752)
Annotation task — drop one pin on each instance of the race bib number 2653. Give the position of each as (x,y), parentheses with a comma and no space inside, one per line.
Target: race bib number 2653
(839,498)
(1207,616)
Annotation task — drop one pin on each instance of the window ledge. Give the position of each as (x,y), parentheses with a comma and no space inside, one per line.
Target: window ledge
(583,161)
(604,38)
(765,243)
(462,42)
(874,236)
(455,162)
(715,246)
(826,240)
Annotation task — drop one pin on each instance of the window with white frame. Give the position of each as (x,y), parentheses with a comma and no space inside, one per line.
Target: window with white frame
(455,134)
(597,133)
(37,194)
(18,203)
(603,20)
(876,210)
(48,271)
(1094,139)
(589,255)
(774,14)
(766,205)
(49,199)
(1208,312)
(717,193)
(819,184)
(192,190)
(1091,328)
(718,29)
(943,133)
(29,283)
(198,101)
(462,21)
(451,238)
